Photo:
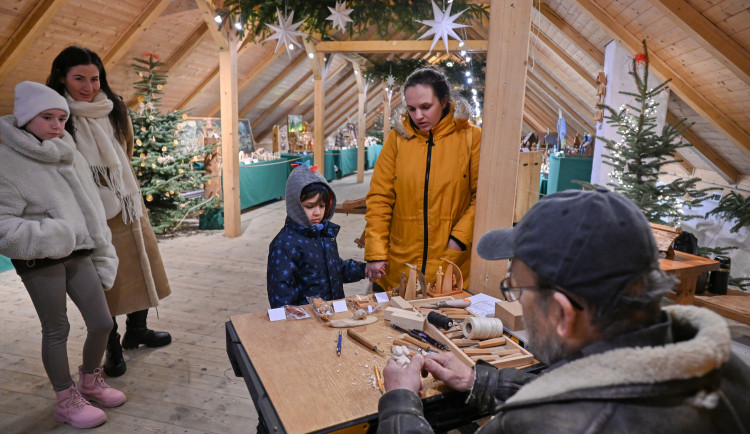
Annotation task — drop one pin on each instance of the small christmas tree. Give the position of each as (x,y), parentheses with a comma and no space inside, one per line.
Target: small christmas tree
(638,157)
(163,171)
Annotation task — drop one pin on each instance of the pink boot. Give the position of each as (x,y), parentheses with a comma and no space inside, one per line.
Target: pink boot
(73,409)
(93,388)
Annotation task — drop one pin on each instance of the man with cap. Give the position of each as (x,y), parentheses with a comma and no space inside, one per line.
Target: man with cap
(585,268)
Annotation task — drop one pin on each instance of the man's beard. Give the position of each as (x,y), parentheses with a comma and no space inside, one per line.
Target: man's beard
(545,345)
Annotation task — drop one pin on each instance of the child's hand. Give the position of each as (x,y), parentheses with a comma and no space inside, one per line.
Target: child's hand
(375,270)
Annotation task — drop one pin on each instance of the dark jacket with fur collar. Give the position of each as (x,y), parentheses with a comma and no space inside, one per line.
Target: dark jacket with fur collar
(692,383)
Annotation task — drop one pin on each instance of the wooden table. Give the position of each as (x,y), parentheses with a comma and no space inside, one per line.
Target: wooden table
(299,384)
(687,268)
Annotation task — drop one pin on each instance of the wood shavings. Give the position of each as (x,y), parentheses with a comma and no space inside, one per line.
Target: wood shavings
(401,355)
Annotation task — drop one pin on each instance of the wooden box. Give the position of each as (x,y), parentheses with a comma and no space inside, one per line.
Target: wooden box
(511,314)
(523,357)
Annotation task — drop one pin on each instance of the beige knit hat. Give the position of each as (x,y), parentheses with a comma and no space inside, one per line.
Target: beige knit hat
(33,98)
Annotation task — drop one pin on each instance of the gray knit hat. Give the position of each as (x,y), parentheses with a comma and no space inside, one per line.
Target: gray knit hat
(33,98)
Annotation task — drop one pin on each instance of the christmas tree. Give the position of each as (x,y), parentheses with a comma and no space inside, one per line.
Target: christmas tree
(638,157)
(163,171)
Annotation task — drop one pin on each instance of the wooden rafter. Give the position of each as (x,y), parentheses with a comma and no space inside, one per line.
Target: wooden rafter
(402,46)
(249,78)
(208,10)
(560,75)
(351,109)
(683,162)
(552,101)
(30,29)
(684,90)
(584,117)
(584,74)
(187,46)
(723,167)
(279,101)
(148,15)
(559,87)
(551,107)
(711,38)
(587,47)
(270,86)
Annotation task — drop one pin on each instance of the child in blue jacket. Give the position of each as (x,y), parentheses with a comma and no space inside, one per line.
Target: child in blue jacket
(303,259)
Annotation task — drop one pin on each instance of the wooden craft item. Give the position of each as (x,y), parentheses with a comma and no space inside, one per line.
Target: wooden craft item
(451,334)
(408,320)
(400,303)
(461,343)
(478,351)
(509,352)
(351,322)
(495,342)
(411,285)
(511,314)
(453,311)
(665,236)
(416,342)
(452,281)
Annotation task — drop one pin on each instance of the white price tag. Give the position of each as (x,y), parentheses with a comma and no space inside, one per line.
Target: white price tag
(340,306)
(381,297)
(277,314)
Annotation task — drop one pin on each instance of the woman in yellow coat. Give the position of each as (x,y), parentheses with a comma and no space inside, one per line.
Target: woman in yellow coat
(421,202)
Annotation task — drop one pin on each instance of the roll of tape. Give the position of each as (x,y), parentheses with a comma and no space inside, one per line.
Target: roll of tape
(482,328)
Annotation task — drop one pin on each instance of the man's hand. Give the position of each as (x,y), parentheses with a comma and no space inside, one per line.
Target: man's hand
(407,377)
(375,270)
(447,368)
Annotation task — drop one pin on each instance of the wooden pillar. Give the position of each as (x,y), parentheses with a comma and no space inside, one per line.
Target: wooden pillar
(230,143)
(361,122)
(502,119)
(319,148)
(386,114)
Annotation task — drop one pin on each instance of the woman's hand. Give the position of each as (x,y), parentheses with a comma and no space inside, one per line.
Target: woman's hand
(375,270)
(408,377)
(447,368)
(453,245)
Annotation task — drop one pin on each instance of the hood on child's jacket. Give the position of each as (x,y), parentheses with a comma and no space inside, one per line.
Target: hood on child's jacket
(301,177)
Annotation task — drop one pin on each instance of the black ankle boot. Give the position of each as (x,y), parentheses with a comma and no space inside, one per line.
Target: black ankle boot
(114,364)
(137,333)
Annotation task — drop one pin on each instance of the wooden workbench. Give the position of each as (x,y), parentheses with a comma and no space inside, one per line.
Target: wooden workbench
(299,384)
(687,268)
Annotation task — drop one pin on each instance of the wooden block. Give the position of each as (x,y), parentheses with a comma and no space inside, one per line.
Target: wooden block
(464,342)
(454,311)
(486,357)
(414,341)
(488,343)
(400,303)
(390,310)
(510,313)
(408,320)
(454,334)
(502,353)
(478,351)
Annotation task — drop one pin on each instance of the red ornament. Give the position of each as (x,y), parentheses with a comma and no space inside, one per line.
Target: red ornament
(641,58)
(147,54)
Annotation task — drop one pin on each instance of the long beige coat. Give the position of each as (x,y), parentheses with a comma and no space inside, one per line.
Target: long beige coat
(141,279)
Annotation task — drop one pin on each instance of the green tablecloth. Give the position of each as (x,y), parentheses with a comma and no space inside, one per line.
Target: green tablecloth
(564,170)
(330,171)
(345,160)
(373,152)
(262,181)
(5,264)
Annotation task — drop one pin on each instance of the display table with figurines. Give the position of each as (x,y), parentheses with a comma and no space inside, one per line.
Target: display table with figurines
(329,170)
(262,181)
(345,160)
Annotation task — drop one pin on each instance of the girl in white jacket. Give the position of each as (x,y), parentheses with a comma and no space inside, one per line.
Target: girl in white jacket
(52,226)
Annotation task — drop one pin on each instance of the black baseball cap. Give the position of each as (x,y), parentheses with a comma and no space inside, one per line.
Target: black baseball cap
(593,244)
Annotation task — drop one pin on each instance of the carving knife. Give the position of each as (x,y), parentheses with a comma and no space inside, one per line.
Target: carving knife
(362,340)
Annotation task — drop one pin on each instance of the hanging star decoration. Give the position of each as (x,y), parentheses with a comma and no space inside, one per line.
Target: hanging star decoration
(442,26)
(286,33)
(340,16)
(390,81)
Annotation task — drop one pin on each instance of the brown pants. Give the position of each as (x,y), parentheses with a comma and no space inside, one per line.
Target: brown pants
(47,286)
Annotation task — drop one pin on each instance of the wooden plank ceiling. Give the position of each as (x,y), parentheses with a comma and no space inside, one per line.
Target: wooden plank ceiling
(702,45)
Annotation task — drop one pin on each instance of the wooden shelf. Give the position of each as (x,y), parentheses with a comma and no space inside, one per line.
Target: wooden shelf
(734,305)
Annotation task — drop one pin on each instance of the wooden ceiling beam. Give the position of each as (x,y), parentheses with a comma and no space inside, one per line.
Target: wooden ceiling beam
(684,90)
(587,47)
(148,15)
(559,87)
(279,101)
(270,86)
(187,46)
(683,162)
(710,37)
(560,75)
(723,167)
(553,107)
(16,48)
(351,110)
(208,10)
(585,119)
(585,75)
(249,78)
(401,46)
(533,122)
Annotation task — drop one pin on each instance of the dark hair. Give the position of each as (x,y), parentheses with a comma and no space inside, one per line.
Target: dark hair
(433,77)
(74,56)
(312,190)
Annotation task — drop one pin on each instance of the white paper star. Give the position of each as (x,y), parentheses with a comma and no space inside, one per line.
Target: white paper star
(340,16)
(442,26)
(286,33)
(390,81)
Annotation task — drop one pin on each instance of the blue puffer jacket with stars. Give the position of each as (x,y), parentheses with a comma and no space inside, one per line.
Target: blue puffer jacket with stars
(303,259)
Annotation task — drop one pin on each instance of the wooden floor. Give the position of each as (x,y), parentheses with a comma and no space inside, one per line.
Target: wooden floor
(185,387)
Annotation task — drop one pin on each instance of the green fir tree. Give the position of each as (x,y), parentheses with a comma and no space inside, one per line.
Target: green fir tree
(638,157)
(164,172)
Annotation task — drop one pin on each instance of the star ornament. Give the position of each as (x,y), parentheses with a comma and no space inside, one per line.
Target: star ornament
(390,81)
(286,33)
(340,16)
(442,26)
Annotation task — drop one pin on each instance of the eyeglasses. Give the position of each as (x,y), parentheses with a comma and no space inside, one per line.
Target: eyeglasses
(512,292)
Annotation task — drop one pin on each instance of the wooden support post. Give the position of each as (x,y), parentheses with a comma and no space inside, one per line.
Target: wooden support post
(510,21)
(361,133)
(316,64)
(229,137)
(386,114)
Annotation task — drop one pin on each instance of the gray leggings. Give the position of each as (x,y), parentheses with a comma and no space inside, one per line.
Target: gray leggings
(47,287)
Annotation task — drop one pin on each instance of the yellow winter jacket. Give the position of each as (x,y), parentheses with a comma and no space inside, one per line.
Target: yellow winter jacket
(421,195)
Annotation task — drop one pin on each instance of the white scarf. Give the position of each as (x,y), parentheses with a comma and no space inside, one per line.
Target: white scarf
(95,139)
